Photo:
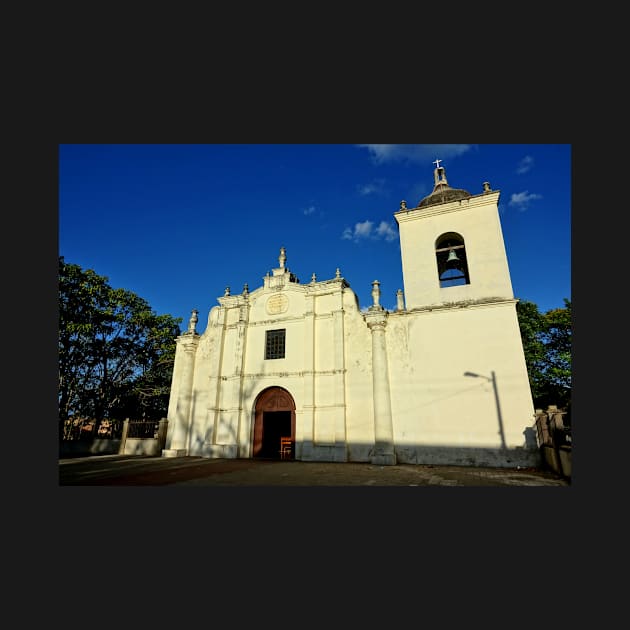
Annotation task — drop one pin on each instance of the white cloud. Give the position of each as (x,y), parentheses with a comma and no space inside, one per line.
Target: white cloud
(420,153)
(375,187)
(365,230)
(386,231)
(521,200)
(525,165)
(308,210)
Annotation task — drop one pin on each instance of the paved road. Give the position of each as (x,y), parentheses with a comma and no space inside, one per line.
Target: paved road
(134,470)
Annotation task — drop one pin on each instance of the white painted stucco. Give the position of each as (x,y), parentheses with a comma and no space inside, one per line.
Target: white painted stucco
(441,380)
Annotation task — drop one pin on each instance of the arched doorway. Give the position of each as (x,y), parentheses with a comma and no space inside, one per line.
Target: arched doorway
(274,418)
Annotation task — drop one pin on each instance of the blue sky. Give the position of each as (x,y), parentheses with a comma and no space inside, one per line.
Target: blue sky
(177,224)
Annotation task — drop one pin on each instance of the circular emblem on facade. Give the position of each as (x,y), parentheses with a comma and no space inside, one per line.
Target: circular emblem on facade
(277,304)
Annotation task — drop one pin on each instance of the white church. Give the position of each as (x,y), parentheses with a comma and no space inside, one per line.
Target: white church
(298,371)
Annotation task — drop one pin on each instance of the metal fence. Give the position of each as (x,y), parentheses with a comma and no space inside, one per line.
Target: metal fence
(75,429)
(143,429)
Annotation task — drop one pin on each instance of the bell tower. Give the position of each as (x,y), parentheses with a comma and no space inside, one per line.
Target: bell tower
(452,247)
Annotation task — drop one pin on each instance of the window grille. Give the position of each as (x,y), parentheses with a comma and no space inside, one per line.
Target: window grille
(274,344)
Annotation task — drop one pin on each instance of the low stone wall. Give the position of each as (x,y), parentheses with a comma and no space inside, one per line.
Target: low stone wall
(554,439)
(85,448)
(142,446)
(124,445)
(557,459)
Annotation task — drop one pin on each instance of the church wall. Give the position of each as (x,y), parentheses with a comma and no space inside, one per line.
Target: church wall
(329,404)
(208,386)
(326,303)
(358,383)
(227,418)
(433,403)
(267,312)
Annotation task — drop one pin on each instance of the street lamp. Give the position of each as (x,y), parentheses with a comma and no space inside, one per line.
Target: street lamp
(493,380)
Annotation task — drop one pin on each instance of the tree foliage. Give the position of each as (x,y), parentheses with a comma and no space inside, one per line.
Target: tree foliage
(547,345)
(115,354)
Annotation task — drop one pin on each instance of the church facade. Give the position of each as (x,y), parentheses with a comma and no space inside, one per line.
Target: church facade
(441,379)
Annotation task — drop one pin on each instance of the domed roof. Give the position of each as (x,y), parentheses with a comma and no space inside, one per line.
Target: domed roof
(442,192)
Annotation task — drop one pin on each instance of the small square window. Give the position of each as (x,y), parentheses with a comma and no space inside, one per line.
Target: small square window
(274,344)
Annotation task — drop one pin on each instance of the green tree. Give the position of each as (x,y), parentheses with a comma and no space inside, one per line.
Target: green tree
(547,346)
(557,335)
(81,298)
(115,353)
(148,394)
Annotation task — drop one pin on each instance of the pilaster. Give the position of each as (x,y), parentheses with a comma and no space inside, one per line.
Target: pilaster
(306,437)
(376,319)
(177,443)
(339,376)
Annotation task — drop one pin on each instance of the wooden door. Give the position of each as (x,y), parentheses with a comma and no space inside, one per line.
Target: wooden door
(276,408)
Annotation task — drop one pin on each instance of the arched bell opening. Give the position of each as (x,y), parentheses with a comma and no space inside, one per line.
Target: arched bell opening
(452,265)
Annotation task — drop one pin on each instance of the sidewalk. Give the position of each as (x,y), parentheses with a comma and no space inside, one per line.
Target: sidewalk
(121,470)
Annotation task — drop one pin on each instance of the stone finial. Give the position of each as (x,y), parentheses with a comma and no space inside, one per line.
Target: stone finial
(192,323)
(313,278)
(403,205)
(376,293)
(282,259)
(246,289)
(486,187)
(337,273)
(227,291)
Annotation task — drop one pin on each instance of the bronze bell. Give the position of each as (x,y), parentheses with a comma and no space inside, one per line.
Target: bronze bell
(452,260)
